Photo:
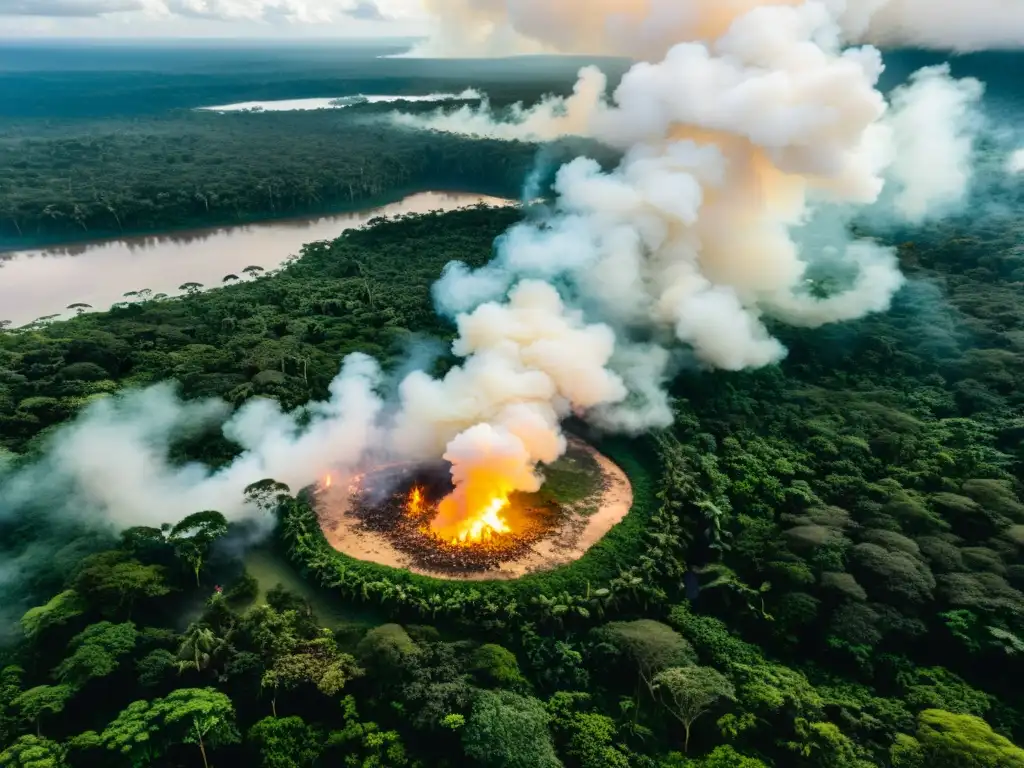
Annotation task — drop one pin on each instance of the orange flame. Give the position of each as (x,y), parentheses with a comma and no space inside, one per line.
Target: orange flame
(476,525)
(484,525)
(327,481)
(415,503)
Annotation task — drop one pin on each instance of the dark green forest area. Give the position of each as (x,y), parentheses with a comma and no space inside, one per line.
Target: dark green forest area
(822,568)
(85,179)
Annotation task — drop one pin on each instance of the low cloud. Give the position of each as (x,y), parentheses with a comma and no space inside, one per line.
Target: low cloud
(365,10)
(67,8)
(289,11)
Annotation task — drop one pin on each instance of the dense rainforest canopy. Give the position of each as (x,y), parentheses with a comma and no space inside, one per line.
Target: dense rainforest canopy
(830,572)
(201,168)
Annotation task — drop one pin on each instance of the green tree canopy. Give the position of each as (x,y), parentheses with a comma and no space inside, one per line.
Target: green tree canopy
(33,752)
(115,582)
(506,730)
(964,741)
(43,699)
(497,667)
(59,610)
(96,652)
(286,742)
(194,535)
(144,730)
(650,645)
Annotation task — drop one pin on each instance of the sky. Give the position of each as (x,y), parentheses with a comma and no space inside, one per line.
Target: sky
(210,18)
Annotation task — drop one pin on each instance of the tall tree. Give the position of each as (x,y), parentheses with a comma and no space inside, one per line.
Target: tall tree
(193,536)
(43,699)
(201,716)
(316,662)
(689,692)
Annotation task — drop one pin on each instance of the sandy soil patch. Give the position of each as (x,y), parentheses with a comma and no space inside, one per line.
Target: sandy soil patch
(578,532)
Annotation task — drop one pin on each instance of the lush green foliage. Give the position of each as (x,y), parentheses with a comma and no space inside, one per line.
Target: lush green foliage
(192,169)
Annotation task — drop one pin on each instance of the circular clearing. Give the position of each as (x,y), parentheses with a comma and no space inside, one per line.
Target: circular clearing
(584,496)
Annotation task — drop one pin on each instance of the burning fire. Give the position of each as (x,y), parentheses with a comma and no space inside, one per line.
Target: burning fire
(461,523)
(484,524)
(327,481)
(415,505)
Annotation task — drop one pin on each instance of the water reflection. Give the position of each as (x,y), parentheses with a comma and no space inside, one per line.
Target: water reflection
(41,282)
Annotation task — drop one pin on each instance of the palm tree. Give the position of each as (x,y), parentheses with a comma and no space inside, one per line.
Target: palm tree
(198,648)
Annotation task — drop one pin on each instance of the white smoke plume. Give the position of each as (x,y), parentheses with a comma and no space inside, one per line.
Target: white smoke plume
(727,148)
(551,118)
(934,124)
(1015,163)
(646,29)
(111,465)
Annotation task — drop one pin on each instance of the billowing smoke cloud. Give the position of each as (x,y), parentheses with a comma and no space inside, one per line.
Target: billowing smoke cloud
(646,29)
(112,464)
(745,149)
(934,122)
(727,148)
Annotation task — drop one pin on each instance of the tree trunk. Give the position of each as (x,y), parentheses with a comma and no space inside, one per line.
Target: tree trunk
(686,744)
(202,751)
(273,704)
(636,703)
(197,573)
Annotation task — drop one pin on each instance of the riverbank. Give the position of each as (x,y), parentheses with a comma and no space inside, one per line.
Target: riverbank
(37,283)
(73,242)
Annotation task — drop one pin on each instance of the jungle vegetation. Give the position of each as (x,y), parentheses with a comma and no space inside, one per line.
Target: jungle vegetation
(85,180)
(823,568)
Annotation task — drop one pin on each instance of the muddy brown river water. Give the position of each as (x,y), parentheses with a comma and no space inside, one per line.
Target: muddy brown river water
(44,281)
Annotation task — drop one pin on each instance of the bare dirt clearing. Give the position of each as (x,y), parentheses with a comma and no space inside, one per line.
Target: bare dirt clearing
(583,523)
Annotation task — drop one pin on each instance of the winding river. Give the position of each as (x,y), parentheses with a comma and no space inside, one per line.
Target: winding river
(40,282)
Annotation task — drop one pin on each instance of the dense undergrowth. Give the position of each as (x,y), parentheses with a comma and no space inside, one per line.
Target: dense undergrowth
(823,568)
